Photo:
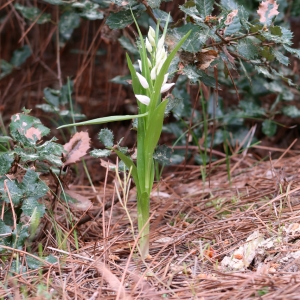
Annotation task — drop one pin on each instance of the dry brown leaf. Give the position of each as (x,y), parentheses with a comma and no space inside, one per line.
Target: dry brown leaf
(83,203)
(77,147)
(267,9)
(205,58)
(230,17)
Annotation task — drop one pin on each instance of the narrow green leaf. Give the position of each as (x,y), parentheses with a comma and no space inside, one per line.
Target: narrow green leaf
(105,120)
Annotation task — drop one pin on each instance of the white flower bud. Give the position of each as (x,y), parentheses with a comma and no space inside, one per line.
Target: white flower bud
(149,63)
(143,99)
(151,32)
(148,46)
(153,73)
(165,78)
(142,80)
(140,65)
(159,66)
(161,42)
(166,87)
(160,54)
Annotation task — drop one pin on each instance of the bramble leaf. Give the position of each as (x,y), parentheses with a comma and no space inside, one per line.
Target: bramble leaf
(106,137)
(204,7)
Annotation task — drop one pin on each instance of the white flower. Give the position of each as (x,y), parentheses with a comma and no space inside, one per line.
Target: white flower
(166,87)
(151,36)
(161,42)
(165,78)
(143,99)
(140,65)
(148,46)
(160,54)
(153,73)
(142,80)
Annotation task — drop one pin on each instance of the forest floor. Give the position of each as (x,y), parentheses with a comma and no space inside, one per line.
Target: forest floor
(212,239)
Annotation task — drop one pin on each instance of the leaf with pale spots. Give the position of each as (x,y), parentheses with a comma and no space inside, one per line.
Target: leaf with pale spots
(266,11)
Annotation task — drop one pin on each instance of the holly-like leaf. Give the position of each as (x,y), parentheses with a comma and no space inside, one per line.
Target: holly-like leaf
(280,57)
(269,128)
(291,111)
(31,205)
(195,40)
(126,44)
(247,49)
(124,18)
(27,129)
(154,3)
(5,234)
(267,10)
(5,67)
(19,236)
(33,14)
(163,154)
(204,7)
(68,21)
(77,147)
(229,4)
(5,163)
(20,55)
(88,10)
(106,137)
(192,12)
(100,153)
(232,23)
(293,51)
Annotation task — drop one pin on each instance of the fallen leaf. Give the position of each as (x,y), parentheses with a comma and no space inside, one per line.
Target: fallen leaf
(267,10)
(77,147)
(82,202)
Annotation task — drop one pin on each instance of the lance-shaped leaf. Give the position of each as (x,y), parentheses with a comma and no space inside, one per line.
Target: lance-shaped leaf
(105,120)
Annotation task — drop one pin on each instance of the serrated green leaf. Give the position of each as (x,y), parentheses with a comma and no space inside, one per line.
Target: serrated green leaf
(5,234)
(19,236)
(192,12)
(204,7)
(33,186)
(99,153)
(229,4)
(5,67)
(106,137)
(285,37)
(124,18)
(68,21)
(163,154)
(154,3)
(247,49)
(251,109)
(11,190)
(126,44)
(5,163)
(195,40)
(291,111)
(295,52)
(20,55)
(280,57)
(31,205)
(265,72)
(27,129)
(88,10)
(233,27)
(267,53)
(243,16)
(55,2)
(161,16)
(33,14)
(269,128)
(52,96)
